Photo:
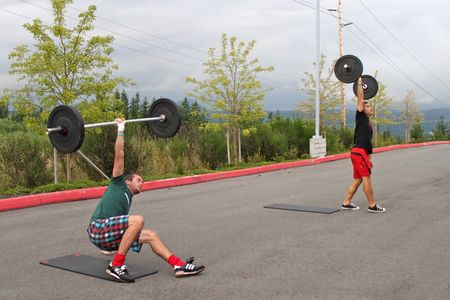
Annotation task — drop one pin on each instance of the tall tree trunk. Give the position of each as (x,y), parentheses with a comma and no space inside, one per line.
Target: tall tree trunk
(68,168)
(234,144)
(407,134)
(375,135)
(55,165)
(375,124)
(228,145)
(239,145)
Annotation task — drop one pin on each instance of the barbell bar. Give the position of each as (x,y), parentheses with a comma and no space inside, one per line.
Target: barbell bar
(65,126)
(161,118)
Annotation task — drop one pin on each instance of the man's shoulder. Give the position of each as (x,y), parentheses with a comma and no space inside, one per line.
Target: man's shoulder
(118,179)
(361,114)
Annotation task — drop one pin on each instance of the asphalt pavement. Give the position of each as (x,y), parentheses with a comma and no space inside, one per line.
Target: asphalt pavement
(251,252)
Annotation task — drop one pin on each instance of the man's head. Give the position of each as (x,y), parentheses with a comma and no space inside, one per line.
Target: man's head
(134,183)
(368,108)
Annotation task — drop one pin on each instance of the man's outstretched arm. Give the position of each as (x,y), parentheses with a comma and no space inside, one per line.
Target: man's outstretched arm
(360,96)
(119,155)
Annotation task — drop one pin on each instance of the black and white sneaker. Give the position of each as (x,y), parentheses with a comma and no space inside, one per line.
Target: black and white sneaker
(351,206)
(120,273)
(187,269)
(376,209)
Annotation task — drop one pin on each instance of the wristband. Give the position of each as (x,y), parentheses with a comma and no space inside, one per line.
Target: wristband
(120,127)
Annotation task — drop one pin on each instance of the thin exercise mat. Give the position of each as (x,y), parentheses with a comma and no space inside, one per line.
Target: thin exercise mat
(94,266)
(320,210)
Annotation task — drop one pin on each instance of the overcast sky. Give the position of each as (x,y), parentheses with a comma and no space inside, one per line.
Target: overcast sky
(159,43)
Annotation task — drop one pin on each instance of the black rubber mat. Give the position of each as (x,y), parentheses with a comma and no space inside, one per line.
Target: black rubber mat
(94,266)
(320,210)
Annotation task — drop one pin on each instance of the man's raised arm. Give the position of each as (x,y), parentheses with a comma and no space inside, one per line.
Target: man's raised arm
(119,155)
(360,96)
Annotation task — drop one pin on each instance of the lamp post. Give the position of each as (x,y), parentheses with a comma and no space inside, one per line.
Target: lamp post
(317,144)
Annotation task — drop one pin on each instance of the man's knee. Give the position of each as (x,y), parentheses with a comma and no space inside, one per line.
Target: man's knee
(355,184)
(136,220)
(149,235)
(366,180)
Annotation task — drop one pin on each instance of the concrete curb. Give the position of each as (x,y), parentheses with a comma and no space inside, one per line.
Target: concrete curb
(97,192)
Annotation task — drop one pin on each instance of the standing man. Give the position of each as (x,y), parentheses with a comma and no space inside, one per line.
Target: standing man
(113,229)
(360,156)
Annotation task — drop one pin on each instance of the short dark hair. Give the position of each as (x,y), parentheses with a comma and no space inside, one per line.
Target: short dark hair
(130,177)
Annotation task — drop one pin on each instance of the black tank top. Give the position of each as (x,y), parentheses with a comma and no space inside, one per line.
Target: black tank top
(363,132)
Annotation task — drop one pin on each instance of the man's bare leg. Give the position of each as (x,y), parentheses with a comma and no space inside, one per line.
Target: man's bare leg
(159,248)
(181,268)
(368,190)
(351,191)
(135,226)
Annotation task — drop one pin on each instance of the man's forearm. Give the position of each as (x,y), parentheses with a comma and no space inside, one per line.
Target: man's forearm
(119,140)
(118,147)
(119,155)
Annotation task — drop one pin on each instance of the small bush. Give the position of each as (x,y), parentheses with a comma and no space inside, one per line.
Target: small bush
(213,148)
(24,160)
(68,186)
(8,126)
(17,191)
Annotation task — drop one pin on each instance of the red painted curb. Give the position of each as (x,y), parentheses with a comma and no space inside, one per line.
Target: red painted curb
(404,146)
(97,192)
(71,195)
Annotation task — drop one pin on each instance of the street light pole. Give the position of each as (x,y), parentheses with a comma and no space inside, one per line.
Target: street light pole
(317,144)
(341,53)
(317,66)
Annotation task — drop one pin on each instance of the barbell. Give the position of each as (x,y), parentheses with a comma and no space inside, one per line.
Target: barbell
(348,69)
(65,126)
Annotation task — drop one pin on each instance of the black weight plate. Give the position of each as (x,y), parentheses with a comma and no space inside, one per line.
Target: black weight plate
(169,127)
(348,68)
(71,138)
(370,86)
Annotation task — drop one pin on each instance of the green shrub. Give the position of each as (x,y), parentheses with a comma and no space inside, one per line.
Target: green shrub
(213,148)
(8,126)
(24,160)
(17,191)
(68,186)
(347,135)
(267,142)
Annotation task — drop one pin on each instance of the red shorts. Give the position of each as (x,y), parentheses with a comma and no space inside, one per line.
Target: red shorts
(362,166)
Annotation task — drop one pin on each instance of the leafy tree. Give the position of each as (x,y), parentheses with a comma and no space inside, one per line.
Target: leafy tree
(122,98)
(231,88)
(417,133)
(126,103)
(410,113)
(192,118)
(64,67)
(329,95)
(441,131)
(4,107)
(382,114)
(135,107)
(144,107)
